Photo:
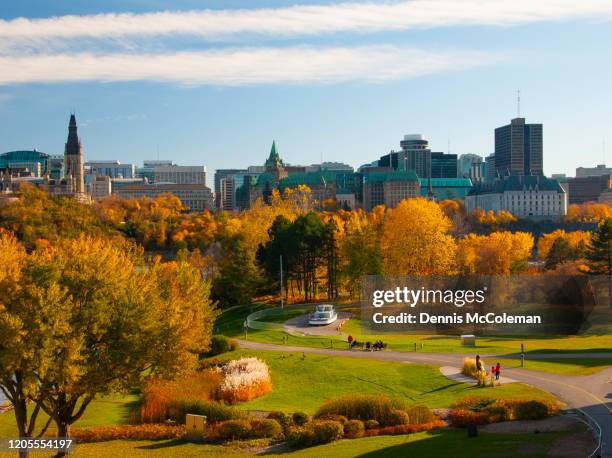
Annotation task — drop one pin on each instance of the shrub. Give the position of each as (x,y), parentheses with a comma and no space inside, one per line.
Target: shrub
(218,345)
(268,428)
(234,430)
(300,418)
(499,411)
(234,345)
(491,410)
(405,429)
(327,431)
(461,418)
(123,432)
(301,437)
(531,410)
(399,417)
(420,414)
(475,404)
(244,379)
(362,407)
(214,411)
(354,429)
(159,394)
(469,368)
(371,424)
(281,417)
(315,433)
(339,418)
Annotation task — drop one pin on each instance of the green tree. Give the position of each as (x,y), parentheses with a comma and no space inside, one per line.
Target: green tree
(360,256)
(559,252)
(599,254)
(238,278)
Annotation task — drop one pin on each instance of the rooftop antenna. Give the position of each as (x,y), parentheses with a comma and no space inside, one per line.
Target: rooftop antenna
(518,103)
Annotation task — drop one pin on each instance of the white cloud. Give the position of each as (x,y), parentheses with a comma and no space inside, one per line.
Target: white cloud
(302,20)
(241,66)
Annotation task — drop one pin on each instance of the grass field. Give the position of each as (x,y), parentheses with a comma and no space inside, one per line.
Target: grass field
(230,323)
(108,410)
(580,366)
(305,383)
(448,442)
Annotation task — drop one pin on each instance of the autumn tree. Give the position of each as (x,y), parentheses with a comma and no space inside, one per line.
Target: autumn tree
(588,212)
(577,240)
(499,253)
(559,252)
(415,240)
(100,320)
(35,216)
(26,341)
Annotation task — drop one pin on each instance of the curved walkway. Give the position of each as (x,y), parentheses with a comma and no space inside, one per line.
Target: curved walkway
(592,393)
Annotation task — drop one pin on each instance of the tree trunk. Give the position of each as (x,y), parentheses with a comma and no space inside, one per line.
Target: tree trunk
(63,432)
(21,416)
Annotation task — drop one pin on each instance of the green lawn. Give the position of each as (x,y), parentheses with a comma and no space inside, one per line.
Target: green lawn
(437,443)
(108,410)
(434,444)
(305,383)
(580,366)
(230,323)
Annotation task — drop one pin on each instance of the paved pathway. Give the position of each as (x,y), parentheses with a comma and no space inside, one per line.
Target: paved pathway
(592,393)
(454,373)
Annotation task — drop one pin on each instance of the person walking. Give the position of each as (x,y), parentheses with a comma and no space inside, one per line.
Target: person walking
(497,371)
(478,364)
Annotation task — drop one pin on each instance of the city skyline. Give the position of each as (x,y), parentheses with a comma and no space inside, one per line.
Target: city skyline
(437,74)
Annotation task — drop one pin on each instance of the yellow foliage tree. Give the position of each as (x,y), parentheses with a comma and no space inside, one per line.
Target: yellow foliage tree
(415,240)
(576,240)
(588,212)
(499,253)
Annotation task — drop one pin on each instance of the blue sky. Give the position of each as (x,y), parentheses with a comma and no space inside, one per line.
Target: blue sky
(213,82)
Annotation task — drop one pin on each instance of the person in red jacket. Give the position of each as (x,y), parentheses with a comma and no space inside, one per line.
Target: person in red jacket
(497,371)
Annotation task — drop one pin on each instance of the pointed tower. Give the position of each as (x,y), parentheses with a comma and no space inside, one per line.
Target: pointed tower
(430,193)
(274,164)
(73,157)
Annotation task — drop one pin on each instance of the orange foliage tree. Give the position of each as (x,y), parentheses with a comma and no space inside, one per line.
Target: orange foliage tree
(588,212)
(499,253)
(577,240)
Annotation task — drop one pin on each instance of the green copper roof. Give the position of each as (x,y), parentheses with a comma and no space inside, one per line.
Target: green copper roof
(446,182)
(308,178)
(274,158)
(520,183)
(381,177)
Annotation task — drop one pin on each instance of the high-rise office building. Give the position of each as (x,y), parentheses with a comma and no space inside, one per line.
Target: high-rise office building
(112,169)
(464,164)
(490,172)
(518,148)
(415,155)
(443,165)
(598,171)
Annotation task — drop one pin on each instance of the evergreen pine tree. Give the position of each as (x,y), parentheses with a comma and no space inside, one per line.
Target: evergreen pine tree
(599,254)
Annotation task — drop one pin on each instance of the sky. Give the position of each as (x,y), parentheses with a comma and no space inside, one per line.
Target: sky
(214,82)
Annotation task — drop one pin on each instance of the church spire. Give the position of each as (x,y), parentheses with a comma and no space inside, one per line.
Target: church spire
(73,145)
(73,158)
